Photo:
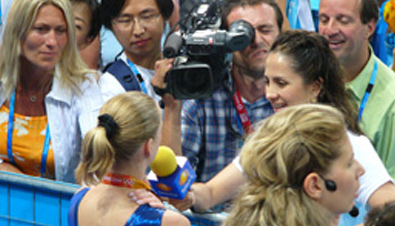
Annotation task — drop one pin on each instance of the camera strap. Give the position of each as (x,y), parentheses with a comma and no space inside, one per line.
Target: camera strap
(242,112)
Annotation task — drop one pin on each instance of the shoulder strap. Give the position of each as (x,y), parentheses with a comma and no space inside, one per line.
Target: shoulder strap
(124,75)
(74,204)
(146,216)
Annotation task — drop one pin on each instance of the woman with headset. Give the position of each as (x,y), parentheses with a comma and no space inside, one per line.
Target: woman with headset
(300,168)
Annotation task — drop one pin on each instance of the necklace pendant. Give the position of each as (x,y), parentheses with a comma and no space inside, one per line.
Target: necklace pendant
(33,98)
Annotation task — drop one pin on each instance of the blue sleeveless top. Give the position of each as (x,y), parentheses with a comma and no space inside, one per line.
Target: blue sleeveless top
(143,216)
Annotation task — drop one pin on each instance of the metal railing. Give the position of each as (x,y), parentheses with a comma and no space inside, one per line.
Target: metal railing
(26,201)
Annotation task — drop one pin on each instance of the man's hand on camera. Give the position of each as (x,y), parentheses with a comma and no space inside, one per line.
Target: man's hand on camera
(161,68)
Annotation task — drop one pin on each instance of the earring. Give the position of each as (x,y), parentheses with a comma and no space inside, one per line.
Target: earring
(314,100)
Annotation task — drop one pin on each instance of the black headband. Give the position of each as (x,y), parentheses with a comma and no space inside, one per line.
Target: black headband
(109,124)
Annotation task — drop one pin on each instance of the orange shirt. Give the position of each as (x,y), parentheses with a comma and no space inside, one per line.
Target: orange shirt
(27,143)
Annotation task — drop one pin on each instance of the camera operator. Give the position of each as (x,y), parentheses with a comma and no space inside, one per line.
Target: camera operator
(212,132)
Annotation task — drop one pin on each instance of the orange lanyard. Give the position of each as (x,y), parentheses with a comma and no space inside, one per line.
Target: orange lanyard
(121,180)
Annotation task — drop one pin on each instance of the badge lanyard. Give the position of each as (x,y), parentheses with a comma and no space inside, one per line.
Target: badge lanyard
(242,112)
(126,181)
(10,131)
(138,75)
(368,91)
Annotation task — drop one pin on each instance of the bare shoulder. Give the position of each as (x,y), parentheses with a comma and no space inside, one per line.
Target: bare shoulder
(171,218)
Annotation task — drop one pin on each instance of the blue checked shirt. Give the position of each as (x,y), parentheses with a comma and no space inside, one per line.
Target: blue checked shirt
(213,125)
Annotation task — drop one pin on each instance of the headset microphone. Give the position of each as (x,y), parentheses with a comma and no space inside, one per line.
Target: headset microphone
(354,212)
(330,185)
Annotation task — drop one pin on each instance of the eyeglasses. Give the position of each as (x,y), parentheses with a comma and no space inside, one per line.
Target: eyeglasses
(126,22)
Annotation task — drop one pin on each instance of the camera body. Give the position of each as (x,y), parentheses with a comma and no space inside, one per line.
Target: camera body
(201,50)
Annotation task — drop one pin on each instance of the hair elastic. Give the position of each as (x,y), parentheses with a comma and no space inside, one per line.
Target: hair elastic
(109,124)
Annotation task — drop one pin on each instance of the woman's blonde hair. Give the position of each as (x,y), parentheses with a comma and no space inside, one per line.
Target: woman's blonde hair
(277,158)
(137,117)
(70,70)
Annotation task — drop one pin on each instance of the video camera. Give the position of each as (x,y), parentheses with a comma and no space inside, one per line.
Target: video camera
(201,49)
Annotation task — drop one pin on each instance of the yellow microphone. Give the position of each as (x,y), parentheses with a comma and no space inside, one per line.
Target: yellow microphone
(165,162)
(171,175)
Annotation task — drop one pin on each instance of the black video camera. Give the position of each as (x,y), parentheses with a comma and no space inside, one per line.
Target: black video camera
(201,49)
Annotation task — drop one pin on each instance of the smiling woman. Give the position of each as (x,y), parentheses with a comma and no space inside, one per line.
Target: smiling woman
(301,68)
(43,77)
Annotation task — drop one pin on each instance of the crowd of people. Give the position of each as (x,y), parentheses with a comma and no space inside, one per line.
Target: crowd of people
(302,122)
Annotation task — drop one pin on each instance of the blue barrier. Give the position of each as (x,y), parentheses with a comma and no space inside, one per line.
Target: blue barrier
(26,201)
(29,200)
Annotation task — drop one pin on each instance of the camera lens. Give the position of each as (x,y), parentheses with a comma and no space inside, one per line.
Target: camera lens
(191,81)
(194,81)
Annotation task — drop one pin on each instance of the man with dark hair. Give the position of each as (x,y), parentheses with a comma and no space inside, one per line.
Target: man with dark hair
(229,5)
(213,129)
(348,25)
(138,27)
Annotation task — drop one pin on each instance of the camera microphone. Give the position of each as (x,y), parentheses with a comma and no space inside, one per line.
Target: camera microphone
(354,212)
(212,10)
(172,45)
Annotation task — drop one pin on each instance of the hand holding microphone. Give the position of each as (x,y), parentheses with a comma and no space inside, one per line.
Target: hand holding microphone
(171,176)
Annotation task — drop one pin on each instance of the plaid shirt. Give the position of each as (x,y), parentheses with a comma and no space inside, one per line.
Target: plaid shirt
(212,125)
